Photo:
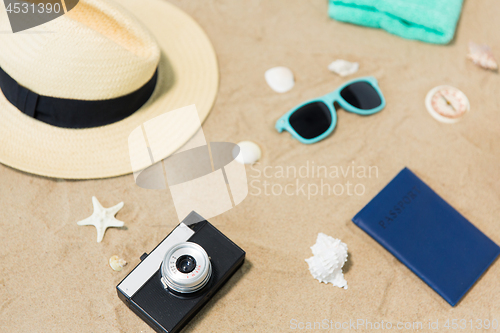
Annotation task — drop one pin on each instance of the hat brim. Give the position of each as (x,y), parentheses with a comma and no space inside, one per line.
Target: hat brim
(187,74)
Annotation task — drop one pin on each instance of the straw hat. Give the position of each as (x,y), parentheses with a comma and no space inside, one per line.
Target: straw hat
(100,53)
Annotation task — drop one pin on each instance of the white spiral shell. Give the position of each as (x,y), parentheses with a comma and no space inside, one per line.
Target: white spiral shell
(482,56)
(329,256)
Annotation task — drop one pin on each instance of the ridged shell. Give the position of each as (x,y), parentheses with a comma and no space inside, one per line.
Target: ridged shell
(280,79)
(482,56)
(329,256)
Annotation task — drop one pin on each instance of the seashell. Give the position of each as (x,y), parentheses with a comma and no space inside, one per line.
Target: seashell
(343,67)
(117,263)
(329,256)
(249,152)
(482,56)
(280,79)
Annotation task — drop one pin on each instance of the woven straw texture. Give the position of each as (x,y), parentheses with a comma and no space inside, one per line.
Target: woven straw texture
(99,51)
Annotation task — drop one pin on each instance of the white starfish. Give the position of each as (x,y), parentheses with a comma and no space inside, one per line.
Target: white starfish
(103,218)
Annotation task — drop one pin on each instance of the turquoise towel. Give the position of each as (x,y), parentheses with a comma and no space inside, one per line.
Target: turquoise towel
(432,21)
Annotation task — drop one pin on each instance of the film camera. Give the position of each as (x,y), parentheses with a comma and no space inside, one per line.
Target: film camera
(171,284)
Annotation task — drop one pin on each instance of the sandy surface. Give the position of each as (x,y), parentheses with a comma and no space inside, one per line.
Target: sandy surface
(54,277)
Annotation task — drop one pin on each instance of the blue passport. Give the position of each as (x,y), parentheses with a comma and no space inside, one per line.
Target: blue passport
(428,235)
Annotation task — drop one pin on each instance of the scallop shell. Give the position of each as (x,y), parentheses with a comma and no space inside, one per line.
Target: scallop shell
(329,256)
(482,56)
(117,263)
(248,152)
(280,79)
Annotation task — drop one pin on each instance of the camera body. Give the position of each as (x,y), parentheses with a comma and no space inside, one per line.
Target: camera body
(171,284)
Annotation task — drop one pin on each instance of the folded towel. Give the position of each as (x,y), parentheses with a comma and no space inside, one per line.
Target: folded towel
(432,21)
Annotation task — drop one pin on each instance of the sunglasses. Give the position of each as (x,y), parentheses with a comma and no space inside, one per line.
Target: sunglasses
(315,119)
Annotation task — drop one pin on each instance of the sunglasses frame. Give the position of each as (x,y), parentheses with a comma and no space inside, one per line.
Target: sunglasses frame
(284,122)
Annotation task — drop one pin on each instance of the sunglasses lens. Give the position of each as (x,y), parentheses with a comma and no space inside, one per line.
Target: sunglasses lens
(311,120)
(361,95)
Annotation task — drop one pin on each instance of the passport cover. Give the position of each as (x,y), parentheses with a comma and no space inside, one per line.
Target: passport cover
(428,235)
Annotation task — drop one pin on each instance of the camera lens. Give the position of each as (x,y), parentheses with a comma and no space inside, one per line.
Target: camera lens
(186,268)
(186,264)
